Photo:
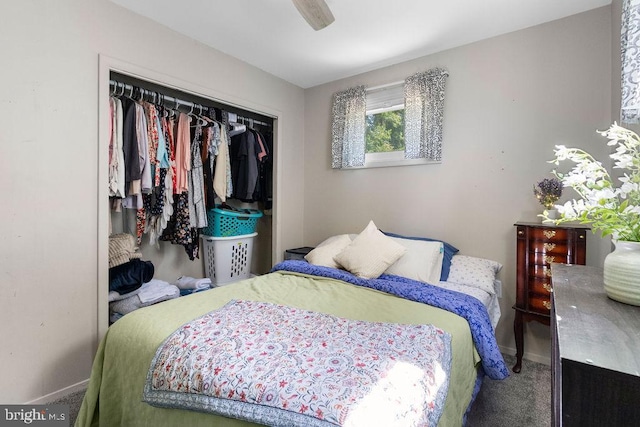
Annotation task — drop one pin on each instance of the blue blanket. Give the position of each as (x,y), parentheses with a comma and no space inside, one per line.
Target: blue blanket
(458,303)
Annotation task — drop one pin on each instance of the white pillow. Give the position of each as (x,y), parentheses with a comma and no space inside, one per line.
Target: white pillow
(370,253)
(422,261)
(323,253)
(476,272)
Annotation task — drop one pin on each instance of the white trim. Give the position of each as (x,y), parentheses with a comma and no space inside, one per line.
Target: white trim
(107,64)
(63,392)
(386,164)
(390,159)
(387,97)
(386,85)
(385,109)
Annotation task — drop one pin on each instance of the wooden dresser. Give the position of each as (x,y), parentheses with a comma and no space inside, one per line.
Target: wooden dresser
(596,352)
(537,246)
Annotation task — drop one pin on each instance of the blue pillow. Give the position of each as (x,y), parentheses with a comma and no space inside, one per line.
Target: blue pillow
(449,252)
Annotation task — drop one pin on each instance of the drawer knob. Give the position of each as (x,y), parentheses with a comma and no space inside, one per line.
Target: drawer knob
(548,259)
(549,233)
(549,246)
(520,232)
(547,287)
(547,304)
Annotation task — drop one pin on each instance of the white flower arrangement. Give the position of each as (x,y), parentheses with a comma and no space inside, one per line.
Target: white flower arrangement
(613,210)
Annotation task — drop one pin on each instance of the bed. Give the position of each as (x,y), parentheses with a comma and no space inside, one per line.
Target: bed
(135,379)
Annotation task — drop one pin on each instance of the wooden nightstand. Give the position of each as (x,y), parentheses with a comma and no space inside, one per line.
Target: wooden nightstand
(537,246)
(297,253)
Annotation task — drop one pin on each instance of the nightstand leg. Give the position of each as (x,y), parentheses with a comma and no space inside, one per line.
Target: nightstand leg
(519,335)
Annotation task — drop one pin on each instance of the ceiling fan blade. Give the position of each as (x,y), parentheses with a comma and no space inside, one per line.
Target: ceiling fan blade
(315,12)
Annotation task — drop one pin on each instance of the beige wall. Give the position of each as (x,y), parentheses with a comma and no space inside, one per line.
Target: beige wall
(508,101)
(49,150)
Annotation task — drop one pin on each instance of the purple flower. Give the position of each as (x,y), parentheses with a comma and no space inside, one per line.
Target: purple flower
(548,191)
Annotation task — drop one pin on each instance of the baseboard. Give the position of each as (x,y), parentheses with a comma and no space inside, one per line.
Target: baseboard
(51,397)
(538,358)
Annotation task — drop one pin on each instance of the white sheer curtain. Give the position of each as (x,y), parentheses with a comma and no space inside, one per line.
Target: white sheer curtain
(630,53)
(348,128)
(423,112)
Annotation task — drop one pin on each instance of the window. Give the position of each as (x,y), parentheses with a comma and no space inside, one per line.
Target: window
(398,124)
(384,124)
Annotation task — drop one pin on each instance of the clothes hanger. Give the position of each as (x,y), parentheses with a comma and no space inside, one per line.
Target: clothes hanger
(171,113)
(237,129)
(203,120)
(116,88)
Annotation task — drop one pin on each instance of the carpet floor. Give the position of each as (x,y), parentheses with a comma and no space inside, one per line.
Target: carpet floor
(522,400)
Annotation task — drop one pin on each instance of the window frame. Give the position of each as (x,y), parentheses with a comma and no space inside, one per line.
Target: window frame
(381,104)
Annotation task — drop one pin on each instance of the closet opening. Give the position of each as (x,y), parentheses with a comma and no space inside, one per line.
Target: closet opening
(204,123)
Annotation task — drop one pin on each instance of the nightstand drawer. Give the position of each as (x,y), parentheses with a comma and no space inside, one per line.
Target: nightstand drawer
(550,235)
(548,247)
(542,258)
(540,286)
(540,272)
(540,304)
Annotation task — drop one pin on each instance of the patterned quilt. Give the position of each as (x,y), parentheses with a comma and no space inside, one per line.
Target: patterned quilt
(461,304)
(279,365)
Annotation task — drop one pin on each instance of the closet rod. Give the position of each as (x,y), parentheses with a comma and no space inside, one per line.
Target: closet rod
(115,87)
(251,121)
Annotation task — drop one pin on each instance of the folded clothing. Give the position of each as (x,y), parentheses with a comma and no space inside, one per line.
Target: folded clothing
(130,276)
(192,283)
(122,249)
(114,296)
(185,292)
(153,293)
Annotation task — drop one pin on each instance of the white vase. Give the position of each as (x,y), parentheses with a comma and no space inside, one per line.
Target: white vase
(622,273)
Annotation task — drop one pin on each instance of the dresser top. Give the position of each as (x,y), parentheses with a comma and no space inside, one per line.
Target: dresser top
(563,225)
(592,328)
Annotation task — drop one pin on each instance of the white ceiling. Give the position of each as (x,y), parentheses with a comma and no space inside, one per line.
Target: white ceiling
(366,34)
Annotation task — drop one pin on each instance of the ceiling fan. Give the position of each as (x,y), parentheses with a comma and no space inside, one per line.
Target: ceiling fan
(315,12)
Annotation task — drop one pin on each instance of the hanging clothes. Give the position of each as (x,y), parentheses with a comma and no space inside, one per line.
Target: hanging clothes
(134,199)
(248,153)
(265,172)
(116,155)
(183,154)
(197,208)
(130,145)
(178,230)
(222,182)
(163,193)
(171,175)
(243,165)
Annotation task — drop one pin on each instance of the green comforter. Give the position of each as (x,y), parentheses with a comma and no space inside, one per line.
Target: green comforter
(114,395)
